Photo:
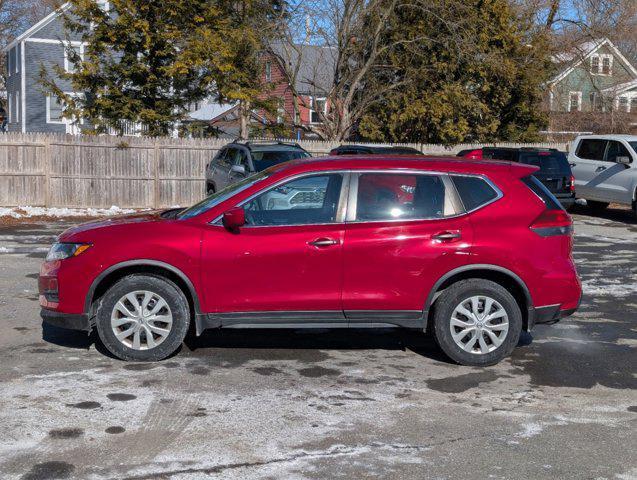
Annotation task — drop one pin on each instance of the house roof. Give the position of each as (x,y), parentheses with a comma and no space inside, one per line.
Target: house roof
(41,24)
(621,88)
(576,56)
(211,111)
(316,66)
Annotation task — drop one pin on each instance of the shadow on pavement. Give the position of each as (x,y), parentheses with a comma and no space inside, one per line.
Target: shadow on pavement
(615,214)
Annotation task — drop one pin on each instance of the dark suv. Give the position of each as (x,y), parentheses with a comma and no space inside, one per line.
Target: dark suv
(555,171)
(238,160)
(373,150)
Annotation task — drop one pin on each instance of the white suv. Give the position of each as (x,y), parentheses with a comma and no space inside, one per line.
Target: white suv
(605,169)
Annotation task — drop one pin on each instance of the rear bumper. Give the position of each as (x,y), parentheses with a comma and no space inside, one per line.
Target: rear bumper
(548,314)
(72,321)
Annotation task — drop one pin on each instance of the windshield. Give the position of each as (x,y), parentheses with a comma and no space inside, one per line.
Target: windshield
(222,195)
(268,158)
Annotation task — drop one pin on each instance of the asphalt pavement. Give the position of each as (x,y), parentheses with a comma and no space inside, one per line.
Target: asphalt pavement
(293,404)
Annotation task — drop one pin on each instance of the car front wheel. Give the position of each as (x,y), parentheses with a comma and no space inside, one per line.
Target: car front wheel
(477,322)
(143,318)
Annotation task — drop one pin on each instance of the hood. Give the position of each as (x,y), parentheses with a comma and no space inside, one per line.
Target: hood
(83,231)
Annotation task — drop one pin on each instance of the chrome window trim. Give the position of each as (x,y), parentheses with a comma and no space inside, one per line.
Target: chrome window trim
(455,196)
(341,207)
(346,209)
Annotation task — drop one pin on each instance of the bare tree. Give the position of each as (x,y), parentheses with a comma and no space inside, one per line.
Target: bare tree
(331,49)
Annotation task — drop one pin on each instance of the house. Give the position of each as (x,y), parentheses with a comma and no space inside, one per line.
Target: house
(46,44)
(595,82)
(300,76)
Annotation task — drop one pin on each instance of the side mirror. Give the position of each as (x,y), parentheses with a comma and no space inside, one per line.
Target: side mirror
(234,219)
(238,169)
(624,160)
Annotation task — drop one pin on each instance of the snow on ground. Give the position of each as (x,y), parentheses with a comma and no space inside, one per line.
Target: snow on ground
(27,212)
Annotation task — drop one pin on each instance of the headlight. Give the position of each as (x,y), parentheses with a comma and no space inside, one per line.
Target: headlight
(60,251)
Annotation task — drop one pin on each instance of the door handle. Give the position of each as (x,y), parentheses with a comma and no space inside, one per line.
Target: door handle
(446,236)
(600,169)
(573,164)
(323,242)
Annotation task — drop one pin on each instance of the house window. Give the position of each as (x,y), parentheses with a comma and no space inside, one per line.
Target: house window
(574,101)
(633,104)
(318,109)
(17,107)
(597,102)
(623,104)
(54,110)
(280,111)
(607,65)
(69,67)
(104,5)
(10,61)
(268,71)
(10,105)
(17,59)
(602,64)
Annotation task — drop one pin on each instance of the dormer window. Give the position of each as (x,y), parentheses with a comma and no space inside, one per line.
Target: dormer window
(602,64)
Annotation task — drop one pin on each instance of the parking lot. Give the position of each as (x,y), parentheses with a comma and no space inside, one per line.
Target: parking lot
(327,404)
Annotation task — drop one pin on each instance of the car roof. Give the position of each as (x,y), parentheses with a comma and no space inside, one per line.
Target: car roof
(618,136)
(404,162)
(266,147)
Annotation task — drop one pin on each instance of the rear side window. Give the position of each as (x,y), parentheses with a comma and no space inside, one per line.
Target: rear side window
(474,191)
(396,196)
(616,149)
(269,158)
(591,149)
(494,154)
(553,162)
(541,191)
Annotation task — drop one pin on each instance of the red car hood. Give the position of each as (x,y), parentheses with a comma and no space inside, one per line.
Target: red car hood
(83,230)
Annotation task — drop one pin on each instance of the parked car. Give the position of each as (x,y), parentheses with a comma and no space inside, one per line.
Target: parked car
(605,169)
(554,171)
(374,150)
(474,252)
(239,160)
(470,153)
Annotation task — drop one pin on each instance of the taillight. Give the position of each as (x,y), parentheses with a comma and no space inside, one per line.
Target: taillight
(571,185)
(552,222)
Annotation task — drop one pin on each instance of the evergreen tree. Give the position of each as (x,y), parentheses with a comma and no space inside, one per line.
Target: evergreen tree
(470,71)
(147,61)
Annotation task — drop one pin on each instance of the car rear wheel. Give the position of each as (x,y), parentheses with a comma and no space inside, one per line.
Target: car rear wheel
(477,322)
(143,318)
(596,206)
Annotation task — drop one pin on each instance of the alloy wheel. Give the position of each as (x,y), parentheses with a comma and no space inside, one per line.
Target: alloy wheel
(479,324)
(141,320)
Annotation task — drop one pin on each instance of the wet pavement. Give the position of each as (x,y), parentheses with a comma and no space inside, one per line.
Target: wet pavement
(327,404)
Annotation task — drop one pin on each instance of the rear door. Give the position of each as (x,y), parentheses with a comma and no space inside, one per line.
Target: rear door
(586,164)
(403,233)
(616,180)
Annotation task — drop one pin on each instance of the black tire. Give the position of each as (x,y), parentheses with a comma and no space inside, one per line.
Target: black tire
(452,297)
(210,188)
(597,206)
(161,286)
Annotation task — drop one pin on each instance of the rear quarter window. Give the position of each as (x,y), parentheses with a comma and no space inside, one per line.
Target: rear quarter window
(541,191)
(474,191)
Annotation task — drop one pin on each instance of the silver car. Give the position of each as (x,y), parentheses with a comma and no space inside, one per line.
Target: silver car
(237,161)
(605,169)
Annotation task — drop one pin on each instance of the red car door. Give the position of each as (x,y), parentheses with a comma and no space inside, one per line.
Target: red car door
(287,259)
(403,234)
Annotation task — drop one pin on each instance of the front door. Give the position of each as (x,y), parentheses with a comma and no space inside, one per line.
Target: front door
(286,262)
(403,234)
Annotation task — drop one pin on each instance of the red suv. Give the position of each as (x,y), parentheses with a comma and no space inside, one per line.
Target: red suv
(471,251)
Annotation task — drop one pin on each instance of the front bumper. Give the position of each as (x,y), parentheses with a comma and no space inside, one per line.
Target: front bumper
(72,321)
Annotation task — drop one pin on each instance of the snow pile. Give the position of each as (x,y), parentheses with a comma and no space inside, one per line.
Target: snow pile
(26,212)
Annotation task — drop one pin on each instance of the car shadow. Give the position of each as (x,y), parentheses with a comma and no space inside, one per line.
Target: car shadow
(614,214)
(390,339)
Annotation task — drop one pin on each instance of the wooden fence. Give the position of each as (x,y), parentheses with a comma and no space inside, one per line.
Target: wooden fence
(78,171)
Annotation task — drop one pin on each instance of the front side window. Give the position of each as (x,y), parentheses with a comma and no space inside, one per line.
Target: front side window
(591,149)
(474,192)
(398,196)
(304,201)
